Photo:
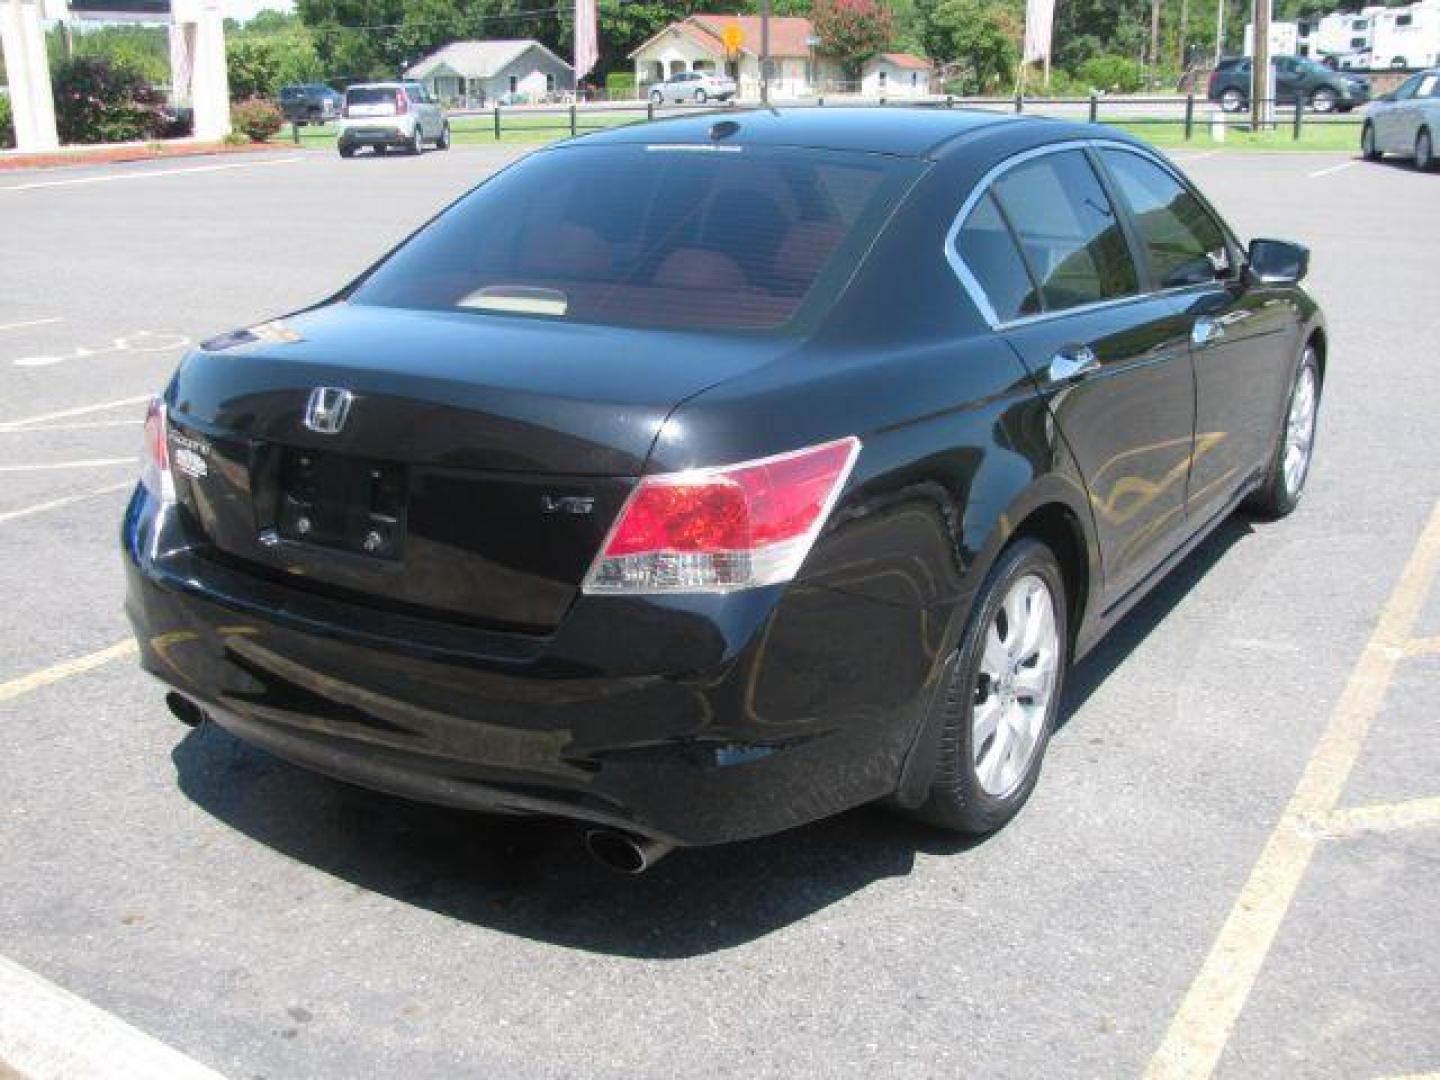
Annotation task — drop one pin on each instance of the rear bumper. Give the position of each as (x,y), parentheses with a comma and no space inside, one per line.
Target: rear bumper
(696,720)
(375,134)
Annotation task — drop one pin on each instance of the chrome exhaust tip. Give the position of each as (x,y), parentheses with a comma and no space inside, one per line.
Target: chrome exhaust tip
(623,852)
(185,710)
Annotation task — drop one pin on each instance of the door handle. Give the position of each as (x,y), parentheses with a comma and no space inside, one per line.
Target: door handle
(1206,331)
(1073,362)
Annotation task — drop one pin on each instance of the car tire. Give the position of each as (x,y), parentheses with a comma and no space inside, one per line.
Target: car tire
(1285,479)
(347,151)
(1232,101)
(1323,100)
(977,793)
(701,97)
(1425,151)
(1367,143)
(443,143)
(657,98)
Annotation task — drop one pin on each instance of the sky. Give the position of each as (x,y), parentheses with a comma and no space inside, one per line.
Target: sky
(245,9)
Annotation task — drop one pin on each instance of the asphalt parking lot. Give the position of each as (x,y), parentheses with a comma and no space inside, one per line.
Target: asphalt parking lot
(1231,863)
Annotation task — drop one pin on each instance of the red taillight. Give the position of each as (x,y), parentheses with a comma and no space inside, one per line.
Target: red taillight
(714,530)
(402,101)
(155,453)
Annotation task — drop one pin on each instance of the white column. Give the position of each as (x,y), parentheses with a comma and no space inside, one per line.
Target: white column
(32,101)
(210,85)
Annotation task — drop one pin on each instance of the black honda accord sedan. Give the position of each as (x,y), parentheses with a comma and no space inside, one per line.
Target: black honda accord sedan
(698,479)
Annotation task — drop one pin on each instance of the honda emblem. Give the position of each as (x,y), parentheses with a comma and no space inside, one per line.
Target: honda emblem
(327,409)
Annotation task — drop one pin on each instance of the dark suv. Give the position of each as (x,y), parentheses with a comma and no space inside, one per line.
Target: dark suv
(310,103)
(1296,78)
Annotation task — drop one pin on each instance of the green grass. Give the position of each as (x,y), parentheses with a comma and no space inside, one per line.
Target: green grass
(1317,135)
(517,126)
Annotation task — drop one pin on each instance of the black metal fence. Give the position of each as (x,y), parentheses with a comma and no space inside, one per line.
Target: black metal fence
(1189,113)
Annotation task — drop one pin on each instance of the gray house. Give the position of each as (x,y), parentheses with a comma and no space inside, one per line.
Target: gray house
(479,73)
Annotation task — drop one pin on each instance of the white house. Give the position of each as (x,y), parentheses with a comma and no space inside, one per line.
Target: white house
(477,73)
(896,75)
(697,43)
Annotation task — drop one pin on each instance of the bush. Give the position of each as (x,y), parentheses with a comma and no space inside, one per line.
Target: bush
(257,118)
(1115,74)
(100,101)
(7,128)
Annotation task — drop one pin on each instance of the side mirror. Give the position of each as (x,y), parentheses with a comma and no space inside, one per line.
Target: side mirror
(1278,262)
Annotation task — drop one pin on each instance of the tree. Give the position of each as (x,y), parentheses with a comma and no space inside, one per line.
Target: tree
(253,68)
(851,31)
(982,38)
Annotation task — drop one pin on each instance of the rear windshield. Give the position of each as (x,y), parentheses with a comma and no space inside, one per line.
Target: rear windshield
(370,95)
(661,236)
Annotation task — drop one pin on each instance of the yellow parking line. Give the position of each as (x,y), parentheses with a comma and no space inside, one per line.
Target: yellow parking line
(1413,814)
(1197,1035)
(1425,646)
(64,670)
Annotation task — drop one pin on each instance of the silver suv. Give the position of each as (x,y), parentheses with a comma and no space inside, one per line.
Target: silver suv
(395,114)
(696,86)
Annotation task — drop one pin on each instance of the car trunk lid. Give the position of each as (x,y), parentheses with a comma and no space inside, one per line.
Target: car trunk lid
(475,473)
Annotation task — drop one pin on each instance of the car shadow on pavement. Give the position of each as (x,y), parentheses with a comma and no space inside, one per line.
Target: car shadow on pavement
(532,878)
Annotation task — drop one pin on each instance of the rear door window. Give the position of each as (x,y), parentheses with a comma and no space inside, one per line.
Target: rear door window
(1068,231)
(1184,244)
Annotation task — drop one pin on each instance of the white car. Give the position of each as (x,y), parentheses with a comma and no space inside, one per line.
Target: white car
(1405,122)
(397,114)
(696,86)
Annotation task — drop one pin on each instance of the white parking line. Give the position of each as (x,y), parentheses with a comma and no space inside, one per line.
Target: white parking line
(150,174)
(48,1031)
(28,322)
(56,504)
(91,425)
(88,463)
(65,414)
(1334,169)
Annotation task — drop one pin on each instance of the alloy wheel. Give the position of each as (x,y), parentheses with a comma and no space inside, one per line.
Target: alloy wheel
(1232,101)
(1014,686)
(1300,427)
(1323,101)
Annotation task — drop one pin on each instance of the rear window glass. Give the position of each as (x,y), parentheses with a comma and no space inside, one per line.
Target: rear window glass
(370,95)
(664,236)
(1068,230)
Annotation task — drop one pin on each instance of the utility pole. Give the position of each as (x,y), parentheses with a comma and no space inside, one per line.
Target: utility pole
(1154,34)
(1260,64)
(1219,31)
(765,6)
(1184,26)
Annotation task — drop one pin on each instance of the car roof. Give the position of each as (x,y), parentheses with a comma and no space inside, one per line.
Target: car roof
(899,131)
(381,85)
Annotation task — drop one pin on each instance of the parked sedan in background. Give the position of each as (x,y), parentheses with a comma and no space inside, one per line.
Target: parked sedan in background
(696,86)
(1296,79)
(695,496)
(399,115)
(1405,122)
